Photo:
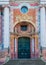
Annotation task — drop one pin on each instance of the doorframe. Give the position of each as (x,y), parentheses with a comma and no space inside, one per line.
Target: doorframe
(30,46)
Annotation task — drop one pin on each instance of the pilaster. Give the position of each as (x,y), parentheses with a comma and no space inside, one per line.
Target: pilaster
(43,31)
(6,34)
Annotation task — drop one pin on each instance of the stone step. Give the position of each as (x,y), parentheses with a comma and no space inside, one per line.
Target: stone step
(25,62)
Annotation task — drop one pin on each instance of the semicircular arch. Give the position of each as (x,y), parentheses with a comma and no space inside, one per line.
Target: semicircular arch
(26,22)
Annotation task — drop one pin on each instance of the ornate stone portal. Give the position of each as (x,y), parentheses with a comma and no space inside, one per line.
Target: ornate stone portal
(24,24)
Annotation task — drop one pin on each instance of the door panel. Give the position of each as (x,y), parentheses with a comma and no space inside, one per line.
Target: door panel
(24,47)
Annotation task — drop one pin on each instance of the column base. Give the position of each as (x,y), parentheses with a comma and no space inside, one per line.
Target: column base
(44,53)
(16,55)
(36,55)
(12,56)
(32,55)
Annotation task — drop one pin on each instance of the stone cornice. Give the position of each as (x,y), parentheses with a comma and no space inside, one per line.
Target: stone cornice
(31,1)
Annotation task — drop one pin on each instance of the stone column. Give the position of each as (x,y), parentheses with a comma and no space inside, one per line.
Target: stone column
(36,46)
(6,30)
(16,47)
(12,46)
(1,27)
(32,48)
(43,31)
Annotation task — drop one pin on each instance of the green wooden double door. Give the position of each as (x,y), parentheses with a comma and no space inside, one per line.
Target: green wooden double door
(24,47)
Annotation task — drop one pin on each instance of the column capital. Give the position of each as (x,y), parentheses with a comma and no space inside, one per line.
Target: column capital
(42,5)
(4,6)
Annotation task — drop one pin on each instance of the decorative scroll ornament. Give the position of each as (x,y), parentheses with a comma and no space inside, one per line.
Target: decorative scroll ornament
(24,18)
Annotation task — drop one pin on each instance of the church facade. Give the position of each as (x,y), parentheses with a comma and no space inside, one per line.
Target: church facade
(23,28)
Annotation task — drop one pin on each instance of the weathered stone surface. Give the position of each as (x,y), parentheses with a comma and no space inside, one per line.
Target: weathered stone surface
(25,62)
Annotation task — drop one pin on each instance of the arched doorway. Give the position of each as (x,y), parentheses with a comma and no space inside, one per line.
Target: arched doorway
(24,41)
(23,47)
